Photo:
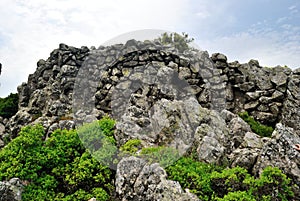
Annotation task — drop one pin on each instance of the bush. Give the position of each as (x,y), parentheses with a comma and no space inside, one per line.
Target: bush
(237,196)
(9,105)
(131,146)
(229,180)
(193,175)
(98,139)
(165,156)
(258,128)
(180,42)
(56,169)
(271,185)
(211,182)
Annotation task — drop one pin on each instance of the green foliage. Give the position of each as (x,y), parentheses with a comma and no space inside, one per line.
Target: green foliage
(211,182)
(229,180)
(131,146)
(98,138)
(180,42)
(9,105)
(56,169)
(260,129)
(159,154)
(271,185)
(193,175)
(237,196)
(162,155)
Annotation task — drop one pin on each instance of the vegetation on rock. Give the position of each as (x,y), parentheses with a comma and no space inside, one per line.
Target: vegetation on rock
(9,105)
(180,42)
(59,168)
(258,128)
(210,182)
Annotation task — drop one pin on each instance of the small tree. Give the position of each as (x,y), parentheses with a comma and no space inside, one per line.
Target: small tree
(181,42)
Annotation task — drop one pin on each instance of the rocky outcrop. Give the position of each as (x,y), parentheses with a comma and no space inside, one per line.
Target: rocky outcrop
(47,95)
(271,95)
(137,180)
(188,101)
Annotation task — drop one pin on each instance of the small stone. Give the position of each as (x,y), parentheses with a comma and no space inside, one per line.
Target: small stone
(251,105)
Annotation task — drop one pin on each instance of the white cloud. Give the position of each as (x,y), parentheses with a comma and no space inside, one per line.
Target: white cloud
(268,48)
(31,29)
(34,28)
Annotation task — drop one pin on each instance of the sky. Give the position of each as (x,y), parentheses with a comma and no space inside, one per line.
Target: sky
(265,30)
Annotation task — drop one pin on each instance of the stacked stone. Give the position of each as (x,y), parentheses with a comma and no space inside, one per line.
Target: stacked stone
(261,91)
(107,67)
(47,95)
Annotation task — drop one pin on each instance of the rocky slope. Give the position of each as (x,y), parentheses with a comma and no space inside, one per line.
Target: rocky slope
(188,101)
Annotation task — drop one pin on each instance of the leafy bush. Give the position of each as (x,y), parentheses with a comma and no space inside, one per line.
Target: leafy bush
(193,175)
(271,185)
(211,182)
(131,146)
(98,138)
(229,180)
(258,128)
(237,196)
(9,105)
(56,169)
(165,156)
(180,42)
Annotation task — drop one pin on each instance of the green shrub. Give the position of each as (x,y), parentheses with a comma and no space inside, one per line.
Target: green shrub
(165,156)
(229,180)
(9,105)
(131,146)
(258,128)
(271,185)
(180,42)
(56,169)
(98,138)
(193,175)
(237,196)
(211,182)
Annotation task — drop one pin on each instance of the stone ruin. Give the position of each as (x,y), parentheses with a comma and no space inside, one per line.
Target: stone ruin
(76,85)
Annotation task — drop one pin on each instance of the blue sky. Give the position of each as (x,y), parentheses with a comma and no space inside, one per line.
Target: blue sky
(266,30)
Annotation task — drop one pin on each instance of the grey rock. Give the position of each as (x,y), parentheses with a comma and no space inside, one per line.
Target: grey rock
(251,105)
(1,143)
(279,79)
(11,190)
(245,158)
(279,152)
(219,57)
(253,63)
(2,129)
